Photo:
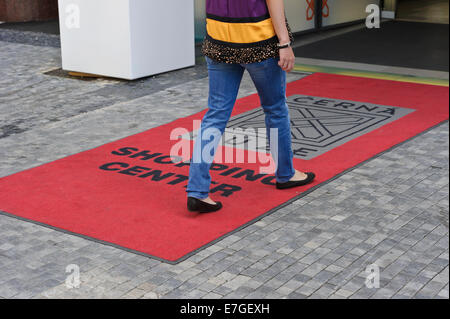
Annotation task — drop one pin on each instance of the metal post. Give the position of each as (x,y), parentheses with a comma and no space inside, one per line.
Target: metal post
(318,21)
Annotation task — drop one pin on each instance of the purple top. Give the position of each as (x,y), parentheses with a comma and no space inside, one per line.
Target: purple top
(237,8)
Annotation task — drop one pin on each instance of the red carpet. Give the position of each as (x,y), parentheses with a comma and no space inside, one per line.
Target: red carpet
(147,214)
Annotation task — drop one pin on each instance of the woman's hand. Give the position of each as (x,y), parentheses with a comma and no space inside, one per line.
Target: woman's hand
(276,10)
(287,59)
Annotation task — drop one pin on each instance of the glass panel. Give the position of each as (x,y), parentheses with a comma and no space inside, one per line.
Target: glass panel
(341,11)
(300,14)
(200,27)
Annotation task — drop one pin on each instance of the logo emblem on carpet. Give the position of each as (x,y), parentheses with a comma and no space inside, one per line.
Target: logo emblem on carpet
(321,124)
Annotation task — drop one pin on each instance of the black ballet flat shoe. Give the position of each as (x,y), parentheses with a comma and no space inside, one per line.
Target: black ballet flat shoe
(196,205)
(308,180)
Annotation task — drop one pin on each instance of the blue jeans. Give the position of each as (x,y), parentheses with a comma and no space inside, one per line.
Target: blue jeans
(224,82)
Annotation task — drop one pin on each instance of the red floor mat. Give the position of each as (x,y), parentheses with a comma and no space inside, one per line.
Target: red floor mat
(139,203)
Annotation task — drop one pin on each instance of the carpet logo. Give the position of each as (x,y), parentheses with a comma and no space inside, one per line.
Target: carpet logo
(172,178)
(319,125)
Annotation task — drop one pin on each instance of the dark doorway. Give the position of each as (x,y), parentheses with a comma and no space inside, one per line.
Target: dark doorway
(397,43)
(435,11)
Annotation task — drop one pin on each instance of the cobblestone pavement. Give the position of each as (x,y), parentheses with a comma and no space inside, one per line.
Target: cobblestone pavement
(391,211)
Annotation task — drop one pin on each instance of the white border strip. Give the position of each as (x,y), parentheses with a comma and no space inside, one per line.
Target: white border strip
(388,14)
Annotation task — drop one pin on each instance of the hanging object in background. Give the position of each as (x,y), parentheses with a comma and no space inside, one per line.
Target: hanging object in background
(311,10)
(325,9)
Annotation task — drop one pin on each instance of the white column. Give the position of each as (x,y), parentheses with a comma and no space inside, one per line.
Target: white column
(127,39)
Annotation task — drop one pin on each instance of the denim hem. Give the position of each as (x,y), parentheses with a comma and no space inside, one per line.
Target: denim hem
(198,195)
(284,179)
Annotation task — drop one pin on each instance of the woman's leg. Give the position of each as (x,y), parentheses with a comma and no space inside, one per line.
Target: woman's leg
(224,82)
(270,81)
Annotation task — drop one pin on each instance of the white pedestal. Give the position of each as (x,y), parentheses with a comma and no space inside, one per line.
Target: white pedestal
(126,39)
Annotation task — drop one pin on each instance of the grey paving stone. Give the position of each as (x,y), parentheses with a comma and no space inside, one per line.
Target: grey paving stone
(296,295)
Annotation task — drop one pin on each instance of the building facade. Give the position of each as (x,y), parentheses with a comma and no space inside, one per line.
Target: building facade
(28,10)
(307,15)
(303,15)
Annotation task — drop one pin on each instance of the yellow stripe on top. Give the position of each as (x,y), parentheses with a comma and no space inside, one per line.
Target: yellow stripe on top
(248,32)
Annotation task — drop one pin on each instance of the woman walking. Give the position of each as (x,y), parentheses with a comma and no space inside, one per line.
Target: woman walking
(250,35)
